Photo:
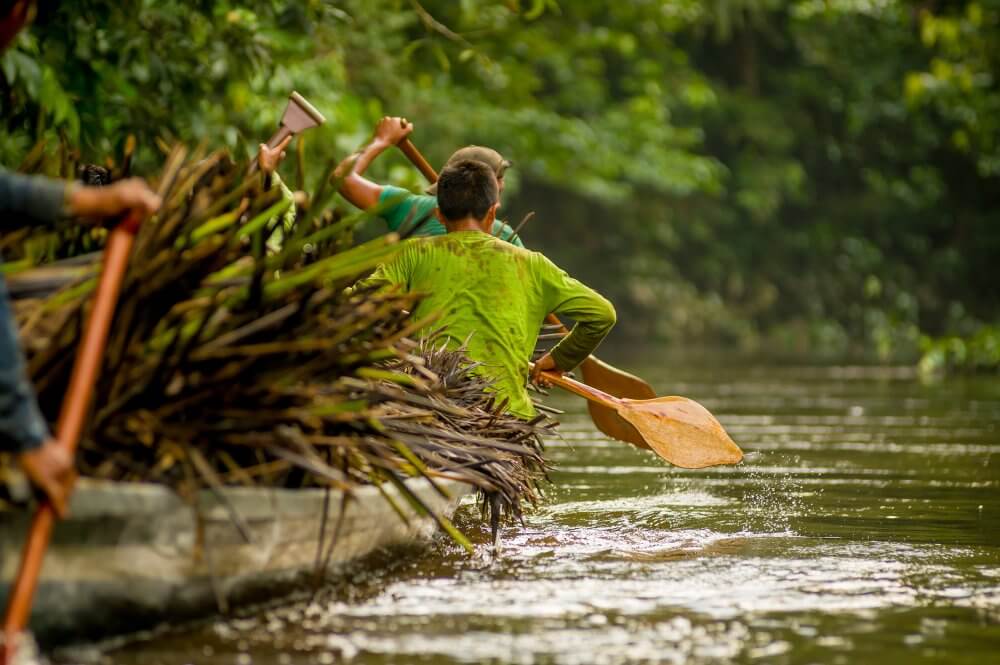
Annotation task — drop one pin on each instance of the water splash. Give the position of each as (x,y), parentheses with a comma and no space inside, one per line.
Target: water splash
(771,501)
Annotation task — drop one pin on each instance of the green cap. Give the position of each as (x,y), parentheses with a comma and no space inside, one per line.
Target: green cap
(476,153)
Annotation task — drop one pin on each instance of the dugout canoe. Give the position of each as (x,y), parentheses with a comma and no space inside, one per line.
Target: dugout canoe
(132,556)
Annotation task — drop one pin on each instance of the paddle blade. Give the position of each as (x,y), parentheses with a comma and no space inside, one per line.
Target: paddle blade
(614,381)
(681,431)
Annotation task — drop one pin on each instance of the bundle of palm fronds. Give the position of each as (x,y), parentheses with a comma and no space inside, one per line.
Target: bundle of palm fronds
(230,364)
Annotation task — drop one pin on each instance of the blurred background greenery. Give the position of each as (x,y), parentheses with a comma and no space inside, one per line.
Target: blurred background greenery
(814,175)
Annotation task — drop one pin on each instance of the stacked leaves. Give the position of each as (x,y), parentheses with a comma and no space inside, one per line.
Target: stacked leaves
(230,364)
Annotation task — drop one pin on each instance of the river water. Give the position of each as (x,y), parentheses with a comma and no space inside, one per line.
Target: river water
(863,527)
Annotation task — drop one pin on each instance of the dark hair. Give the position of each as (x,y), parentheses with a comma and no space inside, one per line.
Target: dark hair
(467,188)
(94,175)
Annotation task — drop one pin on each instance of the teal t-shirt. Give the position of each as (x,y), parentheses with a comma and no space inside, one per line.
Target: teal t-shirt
(404,210)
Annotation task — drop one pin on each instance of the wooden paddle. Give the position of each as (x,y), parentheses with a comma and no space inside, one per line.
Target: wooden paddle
(411,152)
(71,420)
(678,429)
(616,382)
(299,116)
(595,372)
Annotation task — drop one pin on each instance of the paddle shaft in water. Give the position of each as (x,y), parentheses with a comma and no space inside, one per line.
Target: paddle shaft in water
(72,417)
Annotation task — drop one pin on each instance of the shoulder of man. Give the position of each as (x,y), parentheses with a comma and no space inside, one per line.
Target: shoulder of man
(543,264)
(393,197)
(505,231)
(420,244)
(400,207)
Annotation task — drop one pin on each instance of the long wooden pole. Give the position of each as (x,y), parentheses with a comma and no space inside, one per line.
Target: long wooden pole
(72,417)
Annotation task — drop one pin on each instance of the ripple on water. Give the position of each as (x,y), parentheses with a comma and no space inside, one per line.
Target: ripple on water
(692,609)
(639,504)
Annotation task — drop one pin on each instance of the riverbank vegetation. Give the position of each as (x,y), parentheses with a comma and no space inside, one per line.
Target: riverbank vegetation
(816,175)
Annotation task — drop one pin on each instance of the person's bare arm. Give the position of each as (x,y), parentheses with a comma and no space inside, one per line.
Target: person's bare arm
(115,199)
(47,200)
(360,191)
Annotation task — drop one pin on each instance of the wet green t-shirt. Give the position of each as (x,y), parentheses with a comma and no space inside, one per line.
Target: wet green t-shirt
(404,209)
(500,294)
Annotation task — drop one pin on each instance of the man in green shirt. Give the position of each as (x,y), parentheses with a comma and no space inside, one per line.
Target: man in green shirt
(403,209)
(491,293)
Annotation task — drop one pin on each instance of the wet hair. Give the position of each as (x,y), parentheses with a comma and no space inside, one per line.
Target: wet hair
(467,188)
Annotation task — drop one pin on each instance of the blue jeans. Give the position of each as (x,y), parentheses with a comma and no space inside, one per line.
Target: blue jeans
(21,424)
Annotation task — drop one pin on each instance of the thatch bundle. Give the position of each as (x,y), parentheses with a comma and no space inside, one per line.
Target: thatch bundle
(231,364)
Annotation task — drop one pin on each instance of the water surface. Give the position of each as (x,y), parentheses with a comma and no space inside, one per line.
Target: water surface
(863,527)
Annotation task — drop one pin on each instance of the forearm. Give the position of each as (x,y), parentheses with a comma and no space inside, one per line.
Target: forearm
(359,162)
(38,197)
(593,325)
(360,191)
(47,200)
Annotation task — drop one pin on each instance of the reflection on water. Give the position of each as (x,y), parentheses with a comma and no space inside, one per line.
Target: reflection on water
(863,526)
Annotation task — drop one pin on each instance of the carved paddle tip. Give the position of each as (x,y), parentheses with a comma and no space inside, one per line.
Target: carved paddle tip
(682,432)
(310,110)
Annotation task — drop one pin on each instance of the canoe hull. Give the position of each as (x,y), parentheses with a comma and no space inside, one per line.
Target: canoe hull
(132,556)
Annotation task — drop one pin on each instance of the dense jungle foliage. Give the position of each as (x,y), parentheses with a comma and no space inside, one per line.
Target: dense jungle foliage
(820,174)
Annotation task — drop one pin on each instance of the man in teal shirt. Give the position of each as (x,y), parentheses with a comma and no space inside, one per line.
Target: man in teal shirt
(490,295)
(402,209)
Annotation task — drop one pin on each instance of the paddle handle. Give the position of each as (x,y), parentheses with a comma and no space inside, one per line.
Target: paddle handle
(72,417)
(417,159)
(583,390)
(554,320)
(279,136)
(276,138)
